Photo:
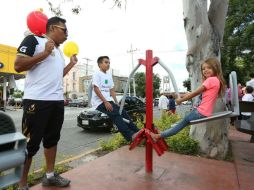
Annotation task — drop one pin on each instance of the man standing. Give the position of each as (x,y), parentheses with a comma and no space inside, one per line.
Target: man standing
(43,102)
(163,103)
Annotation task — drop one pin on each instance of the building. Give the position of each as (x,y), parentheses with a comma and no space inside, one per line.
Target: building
(7,73)
(119,82)
(72,79)
(166,84)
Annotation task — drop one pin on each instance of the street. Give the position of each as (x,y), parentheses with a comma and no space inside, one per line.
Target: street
(74,140)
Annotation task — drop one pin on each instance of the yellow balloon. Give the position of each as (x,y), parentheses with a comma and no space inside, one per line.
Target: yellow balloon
(70,48)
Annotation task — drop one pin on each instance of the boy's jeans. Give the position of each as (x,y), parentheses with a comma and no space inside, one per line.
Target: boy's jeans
(193,115)
(126,129)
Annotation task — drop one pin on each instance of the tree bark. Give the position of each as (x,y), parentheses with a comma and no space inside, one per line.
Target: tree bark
(204,32)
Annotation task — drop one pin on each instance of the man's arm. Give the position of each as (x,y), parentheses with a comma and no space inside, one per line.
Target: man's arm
(159,104)
(25,63)
(73,61)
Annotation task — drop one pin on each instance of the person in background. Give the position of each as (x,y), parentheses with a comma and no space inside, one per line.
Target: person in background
(251,81)
(43,101)
(249,98)
(171,105)
(240,92)
(163,103)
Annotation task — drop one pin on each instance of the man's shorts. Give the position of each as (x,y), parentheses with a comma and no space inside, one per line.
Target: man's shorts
(42,121)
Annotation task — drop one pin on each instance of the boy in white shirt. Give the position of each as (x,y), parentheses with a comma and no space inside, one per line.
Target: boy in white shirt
(103,90)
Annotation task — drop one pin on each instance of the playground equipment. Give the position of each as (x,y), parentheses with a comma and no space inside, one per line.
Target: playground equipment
(160,146)
(12,152)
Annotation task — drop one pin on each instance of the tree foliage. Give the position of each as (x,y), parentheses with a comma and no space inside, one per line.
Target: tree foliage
(187,84)
(238,43)
(55,8)
(140,80)
(119,3)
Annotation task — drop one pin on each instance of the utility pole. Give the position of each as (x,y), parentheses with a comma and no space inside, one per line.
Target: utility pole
(87,61)
(131,51)
(86,73)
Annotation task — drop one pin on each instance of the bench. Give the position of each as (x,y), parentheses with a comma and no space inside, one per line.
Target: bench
(12,152)
(246,126)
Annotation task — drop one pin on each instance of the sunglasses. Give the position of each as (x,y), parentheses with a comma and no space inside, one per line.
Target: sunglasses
(62,28)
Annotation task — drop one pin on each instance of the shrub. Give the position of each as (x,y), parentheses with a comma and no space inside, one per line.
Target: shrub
(113,143)
(180,143)
(183,144)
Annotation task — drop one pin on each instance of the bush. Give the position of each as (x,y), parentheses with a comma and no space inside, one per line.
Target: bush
(183,144)
(113,143)
(180,143)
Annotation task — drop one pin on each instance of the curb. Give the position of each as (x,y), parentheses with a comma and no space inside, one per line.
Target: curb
(72,158)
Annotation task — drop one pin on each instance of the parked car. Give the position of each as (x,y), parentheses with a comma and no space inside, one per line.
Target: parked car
(15,102)
(11,102)
(188,102)
(77,103)
(93,119)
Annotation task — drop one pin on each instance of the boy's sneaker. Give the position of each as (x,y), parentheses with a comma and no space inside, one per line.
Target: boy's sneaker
(56,180)
(23,188)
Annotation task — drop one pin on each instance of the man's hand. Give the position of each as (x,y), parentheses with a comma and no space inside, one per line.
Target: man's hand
(74,59)
(108,106)
(49,46)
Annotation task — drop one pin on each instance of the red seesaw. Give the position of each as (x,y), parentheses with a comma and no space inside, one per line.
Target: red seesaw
(160,145)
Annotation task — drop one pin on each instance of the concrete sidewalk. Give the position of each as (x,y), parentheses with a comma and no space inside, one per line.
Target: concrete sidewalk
(125,170)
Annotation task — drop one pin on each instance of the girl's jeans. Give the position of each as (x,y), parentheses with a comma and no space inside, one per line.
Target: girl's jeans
(126,129)
(193,115)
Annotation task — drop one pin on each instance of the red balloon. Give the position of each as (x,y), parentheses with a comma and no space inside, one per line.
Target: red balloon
(36,22)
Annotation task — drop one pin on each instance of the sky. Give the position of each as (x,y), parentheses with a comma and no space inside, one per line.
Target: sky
(102,30)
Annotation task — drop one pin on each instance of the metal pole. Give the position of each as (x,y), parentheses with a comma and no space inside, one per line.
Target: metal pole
(87,61)
(86,72)
(132,62)
(149,107)
(134,86)
(5,92)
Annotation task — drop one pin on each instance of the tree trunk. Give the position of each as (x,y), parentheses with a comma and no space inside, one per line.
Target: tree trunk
(204,32)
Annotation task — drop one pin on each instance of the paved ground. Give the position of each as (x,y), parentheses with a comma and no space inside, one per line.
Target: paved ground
(125,170)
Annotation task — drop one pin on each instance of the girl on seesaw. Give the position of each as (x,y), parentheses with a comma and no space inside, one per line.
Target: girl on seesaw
(213,86)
